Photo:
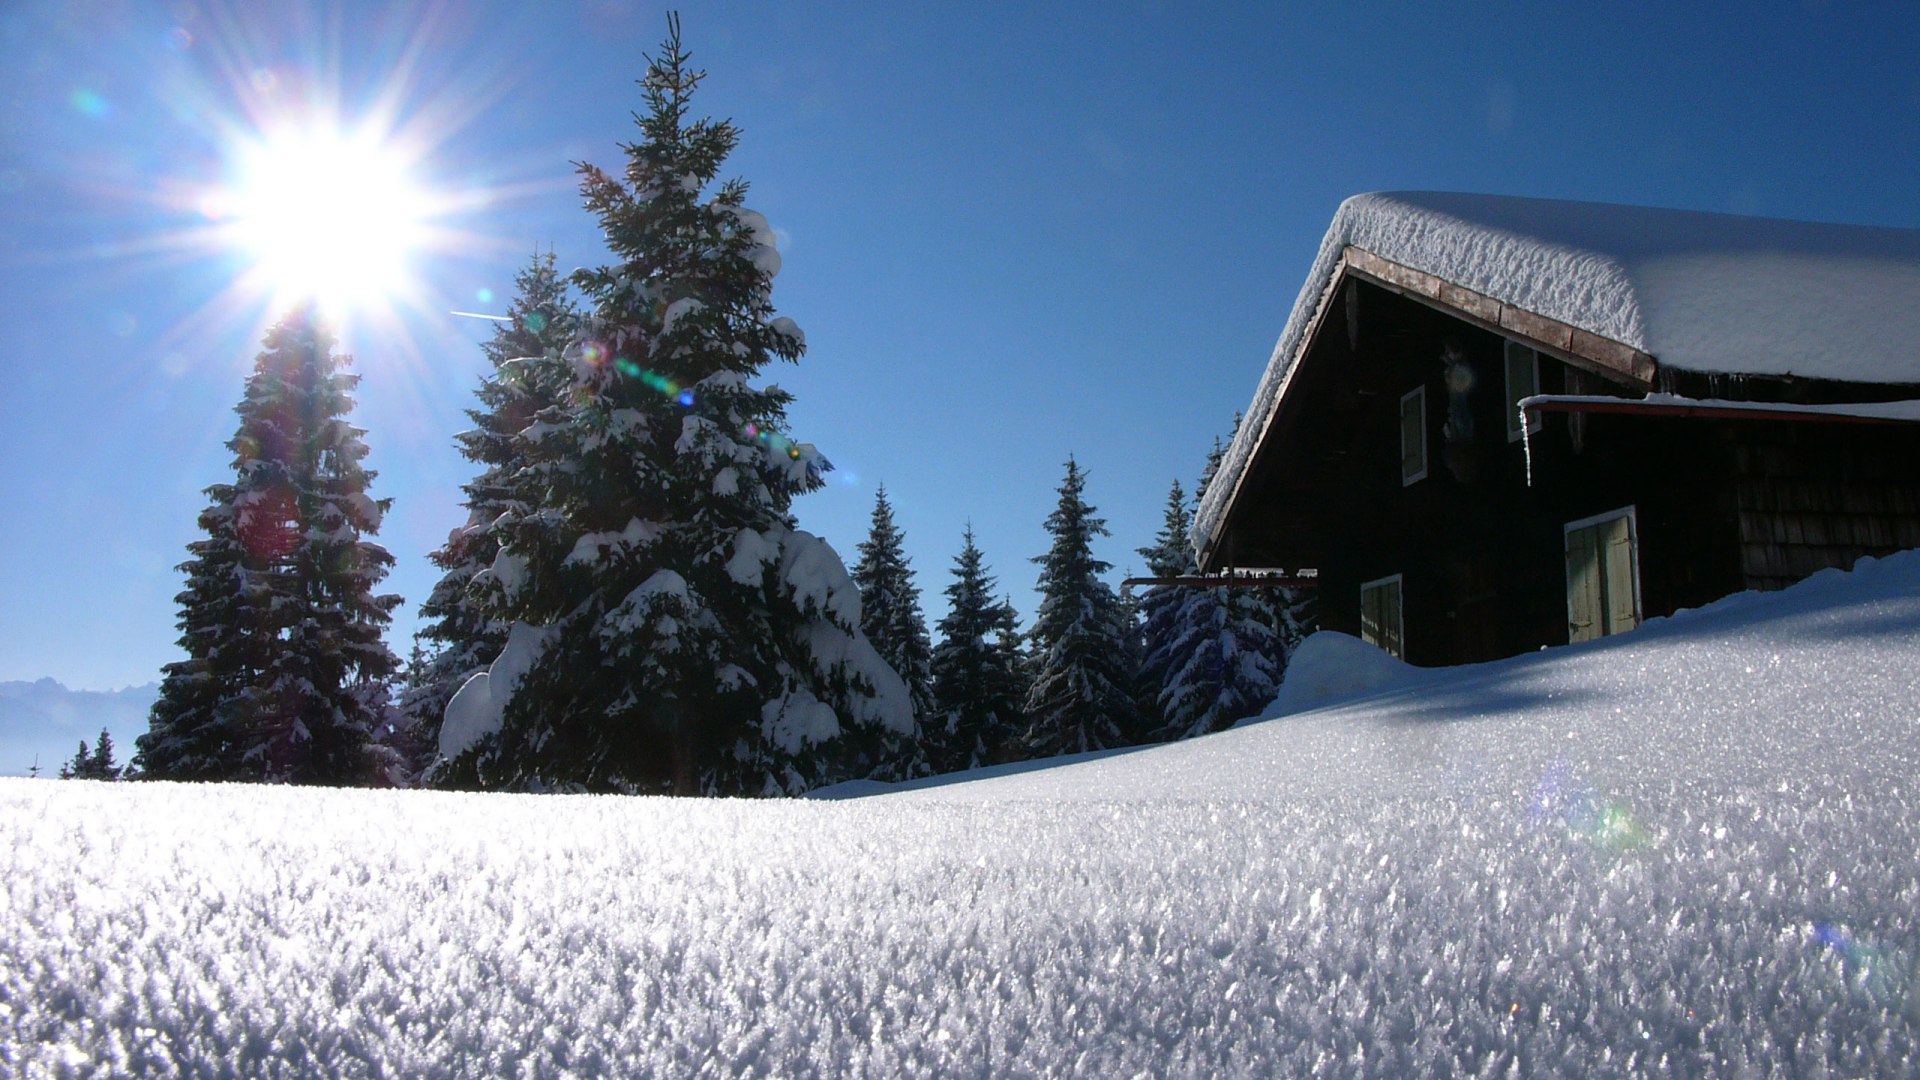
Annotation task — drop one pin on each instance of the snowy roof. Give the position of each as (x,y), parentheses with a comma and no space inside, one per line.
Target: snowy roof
(1697,291)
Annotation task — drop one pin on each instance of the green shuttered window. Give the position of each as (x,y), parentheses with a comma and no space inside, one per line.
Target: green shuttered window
(1380,619)
(1603,576)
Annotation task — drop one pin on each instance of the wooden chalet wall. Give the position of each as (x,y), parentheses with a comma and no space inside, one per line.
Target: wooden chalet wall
(1718,505)
(1812,496)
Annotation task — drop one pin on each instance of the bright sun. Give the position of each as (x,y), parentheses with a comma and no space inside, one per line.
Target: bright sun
(327,217)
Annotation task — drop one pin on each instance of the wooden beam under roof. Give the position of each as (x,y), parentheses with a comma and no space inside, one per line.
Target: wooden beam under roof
(1563,341)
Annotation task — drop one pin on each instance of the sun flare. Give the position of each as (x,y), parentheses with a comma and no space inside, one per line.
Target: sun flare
(332,218)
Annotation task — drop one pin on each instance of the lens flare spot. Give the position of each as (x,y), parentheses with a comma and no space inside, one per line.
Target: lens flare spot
(483,295)
(88,103)
(1884,977)
(536,322)
(593,353)
(627,367)
(264,81)
(686,399)
(1562,800)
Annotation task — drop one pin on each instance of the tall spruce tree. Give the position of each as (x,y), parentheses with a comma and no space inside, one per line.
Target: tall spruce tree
(673,629)
(1083,695)
(977,688)
(465,630)
(283,680)
(891,618)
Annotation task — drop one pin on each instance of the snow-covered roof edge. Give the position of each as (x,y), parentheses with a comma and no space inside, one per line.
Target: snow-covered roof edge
(1233,466)
(1700,291)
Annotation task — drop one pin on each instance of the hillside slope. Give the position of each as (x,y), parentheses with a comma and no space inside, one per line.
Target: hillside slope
(1689,850)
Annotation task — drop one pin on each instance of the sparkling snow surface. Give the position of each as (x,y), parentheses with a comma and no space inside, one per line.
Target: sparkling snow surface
(1698,291)
(1689,850)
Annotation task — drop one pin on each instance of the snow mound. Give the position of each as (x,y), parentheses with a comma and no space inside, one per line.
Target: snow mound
(1692,850)
(1329,666)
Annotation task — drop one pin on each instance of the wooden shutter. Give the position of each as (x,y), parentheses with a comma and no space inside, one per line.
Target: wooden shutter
(1615,538)
(1413,436)
(1586,603)
(1380,616)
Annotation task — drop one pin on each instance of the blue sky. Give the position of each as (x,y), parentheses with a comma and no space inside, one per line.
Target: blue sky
(1010,234)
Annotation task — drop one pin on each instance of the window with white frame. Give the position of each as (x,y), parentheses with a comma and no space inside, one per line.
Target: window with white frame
(1523,381)
(1381,623)
(1413,436)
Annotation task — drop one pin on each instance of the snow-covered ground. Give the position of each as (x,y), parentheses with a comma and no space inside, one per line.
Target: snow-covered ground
(1690,850)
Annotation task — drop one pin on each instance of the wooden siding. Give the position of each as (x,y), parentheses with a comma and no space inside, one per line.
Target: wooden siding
(1811,497)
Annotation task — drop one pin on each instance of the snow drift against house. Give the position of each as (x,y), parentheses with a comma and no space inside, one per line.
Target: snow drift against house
(1687,850)
(1699,292)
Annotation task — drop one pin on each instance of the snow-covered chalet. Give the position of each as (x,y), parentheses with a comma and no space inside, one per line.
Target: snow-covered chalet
(1495,423)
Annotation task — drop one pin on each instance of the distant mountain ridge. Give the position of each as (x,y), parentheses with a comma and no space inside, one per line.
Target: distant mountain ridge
(45,720)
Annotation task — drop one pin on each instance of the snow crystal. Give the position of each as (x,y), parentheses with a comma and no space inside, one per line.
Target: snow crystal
(1688,850)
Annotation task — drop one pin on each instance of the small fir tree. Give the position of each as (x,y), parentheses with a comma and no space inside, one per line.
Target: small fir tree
(672,629)
(76,768)
(465,630)
(1216,655)
(1169,614)
(891,618)
(279,618)
(95,764)
(1083,692)
(977,688)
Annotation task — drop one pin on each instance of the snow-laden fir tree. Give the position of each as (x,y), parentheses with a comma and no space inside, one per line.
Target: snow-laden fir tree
(1086,659)
(1287,614)
(672,630)
(1211,653)
(466,634)
(94,764)
(285,670)
(977,689)
(891,618)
